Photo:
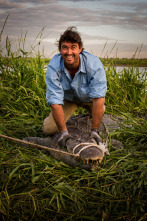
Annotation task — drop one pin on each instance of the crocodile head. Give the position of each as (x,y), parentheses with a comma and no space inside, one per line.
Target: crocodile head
(87,151)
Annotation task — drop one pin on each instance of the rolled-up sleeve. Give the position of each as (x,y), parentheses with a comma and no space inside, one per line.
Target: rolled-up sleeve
(54,91)
(98,84)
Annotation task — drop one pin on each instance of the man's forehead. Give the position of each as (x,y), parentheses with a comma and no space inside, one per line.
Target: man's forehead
(68,43)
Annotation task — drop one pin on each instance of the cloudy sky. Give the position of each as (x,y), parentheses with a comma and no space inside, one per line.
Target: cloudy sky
(108,27)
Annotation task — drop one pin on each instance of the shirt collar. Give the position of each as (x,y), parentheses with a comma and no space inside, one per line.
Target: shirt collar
(82,65)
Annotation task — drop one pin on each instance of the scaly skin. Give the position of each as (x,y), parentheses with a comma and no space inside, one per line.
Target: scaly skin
(79,128)
(70,160)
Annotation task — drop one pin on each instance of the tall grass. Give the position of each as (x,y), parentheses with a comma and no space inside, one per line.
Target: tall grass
(33,185)
(22,89)
(126,90)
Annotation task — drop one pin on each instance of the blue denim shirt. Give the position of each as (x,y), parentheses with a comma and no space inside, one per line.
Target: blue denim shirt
(89,82)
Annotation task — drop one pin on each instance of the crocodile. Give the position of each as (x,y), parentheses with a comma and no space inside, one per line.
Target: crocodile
(85,152)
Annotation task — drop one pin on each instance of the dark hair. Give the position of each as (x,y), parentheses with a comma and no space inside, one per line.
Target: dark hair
(71,35)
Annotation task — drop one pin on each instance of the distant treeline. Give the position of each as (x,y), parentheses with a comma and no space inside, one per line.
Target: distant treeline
(120,62)
(124,62)
(106,61)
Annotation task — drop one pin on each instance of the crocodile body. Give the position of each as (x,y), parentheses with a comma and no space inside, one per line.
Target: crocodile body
(86,152)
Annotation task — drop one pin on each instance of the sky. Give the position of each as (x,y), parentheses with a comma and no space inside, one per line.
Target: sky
(109,28)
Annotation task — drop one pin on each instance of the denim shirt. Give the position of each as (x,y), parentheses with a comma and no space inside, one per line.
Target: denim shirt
(89,82)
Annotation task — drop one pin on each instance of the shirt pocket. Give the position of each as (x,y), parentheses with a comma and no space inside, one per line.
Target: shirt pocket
(83,86)
(65,84)
(84,92)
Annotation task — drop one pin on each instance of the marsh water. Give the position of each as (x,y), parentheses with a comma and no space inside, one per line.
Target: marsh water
(142,70)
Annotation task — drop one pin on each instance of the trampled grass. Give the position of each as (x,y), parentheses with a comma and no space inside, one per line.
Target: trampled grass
(34,186)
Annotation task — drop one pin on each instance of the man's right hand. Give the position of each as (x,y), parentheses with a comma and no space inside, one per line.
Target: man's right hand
(64,136)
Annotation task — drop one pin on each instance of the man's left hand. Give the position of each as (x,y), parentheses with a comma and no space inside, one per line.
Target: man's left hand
(95,135)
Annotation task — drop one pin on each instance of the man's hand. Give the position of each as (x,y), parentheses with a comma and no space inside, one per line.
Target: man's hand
(95,135)
(64,136)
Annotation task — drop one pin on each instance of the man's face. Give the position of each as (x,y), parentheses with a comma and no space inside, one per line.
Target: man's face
(70,53)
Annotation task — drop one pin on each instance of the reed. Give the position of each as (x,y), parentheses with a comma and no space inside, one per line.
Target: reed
(126,90)
(33,185)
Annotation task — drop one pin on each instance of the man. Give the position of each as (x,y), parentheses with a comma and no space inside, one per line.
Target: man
(74,78)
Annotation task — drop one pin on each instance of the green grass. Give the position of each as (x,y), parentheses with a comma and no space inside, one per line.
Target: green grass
(126,90)
(33,185)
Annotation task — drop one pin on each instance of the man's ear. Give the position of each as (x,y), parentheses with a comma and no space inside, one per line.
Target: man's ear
(80,50)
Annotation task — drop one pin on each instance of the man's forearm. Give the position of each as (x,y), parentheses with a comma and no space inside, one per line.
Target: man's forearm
(97,112)
(58,116)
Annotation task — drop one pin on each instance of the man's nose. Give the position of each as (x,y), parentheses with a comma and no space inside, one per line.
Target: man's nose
(69,51)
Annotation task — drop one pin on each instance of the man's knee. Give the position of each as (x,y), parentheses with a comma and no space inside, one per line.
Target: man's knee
(49,126)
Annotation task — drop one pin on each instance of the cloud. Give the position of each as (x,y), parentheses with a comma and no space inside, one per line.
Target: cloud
(10,5)
(56,16)
(52,14)
(127,20)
